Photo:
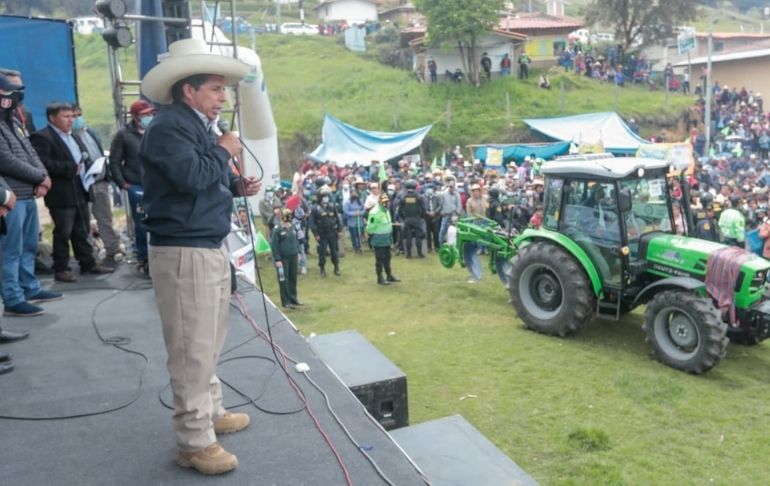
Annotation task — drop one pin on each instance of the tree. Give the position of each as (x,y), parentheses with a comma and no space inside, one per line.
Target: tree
(642,22)
(461,23)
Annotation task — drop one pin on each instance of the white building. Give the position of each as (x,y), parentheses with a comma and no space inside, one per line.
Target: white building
(350,11)
(496,44)
(87,25)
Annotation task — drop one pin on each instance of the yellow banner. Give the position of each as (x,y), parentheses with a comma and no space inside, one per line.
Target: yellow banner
(591,148)
(494,157)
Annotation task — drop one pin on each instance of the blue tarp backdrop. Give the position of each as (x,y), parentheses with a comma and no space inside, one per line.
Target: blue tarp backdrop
(607,127)
(517,152)
(345,144)
(42,50)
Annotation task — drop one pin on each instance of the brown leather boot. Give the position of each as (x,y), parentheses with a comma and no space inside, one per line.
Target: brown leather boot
(231,422)
(211,460)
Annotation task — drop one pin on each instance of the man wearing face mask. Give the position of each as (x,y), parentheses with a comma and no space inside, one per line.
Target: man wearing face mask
(127,174)
(21,112)
(326,224)
(65,159)
(27,178)
(100,190)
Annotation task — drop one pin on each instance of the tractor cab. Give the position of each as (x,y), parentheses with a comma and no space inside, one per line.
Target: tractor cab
(610,208)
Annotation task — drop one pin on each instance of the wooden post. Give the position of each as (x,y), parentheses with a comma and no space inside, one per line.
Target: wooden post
(508,107)
(561,96)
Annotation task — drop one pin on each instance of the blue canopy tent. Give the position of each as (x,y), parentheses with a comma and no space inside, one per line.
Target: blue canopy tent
(345,144)
(516,152)
(607,128)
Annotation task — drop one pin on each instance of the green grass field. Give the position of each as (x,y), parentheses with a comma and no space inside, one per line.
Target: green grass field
(592,409)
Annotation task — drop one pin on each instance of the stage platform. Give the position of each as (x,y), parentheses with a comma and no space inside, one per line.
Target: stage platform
(64,369)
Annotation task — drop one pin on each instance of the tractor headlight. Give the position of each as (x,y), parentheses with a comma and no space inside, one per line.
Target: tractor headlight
(758,280)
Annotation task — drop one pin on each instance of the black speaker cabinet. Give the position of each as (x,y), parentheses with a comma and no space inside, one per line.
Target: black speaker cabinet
(377,383)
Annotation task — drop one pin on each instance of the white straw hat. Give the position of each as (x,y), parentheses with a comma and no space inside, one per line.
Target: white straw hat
(185,58)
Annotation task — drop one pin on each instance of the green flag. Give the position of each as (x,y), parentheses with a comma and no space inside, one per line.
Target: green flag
(261,245)
(382,175)
(443,159)
(434,165)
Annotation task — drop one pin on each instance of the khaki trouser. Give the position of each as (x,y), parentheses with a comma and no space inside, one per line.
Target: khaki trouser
(101,207)
(192,289)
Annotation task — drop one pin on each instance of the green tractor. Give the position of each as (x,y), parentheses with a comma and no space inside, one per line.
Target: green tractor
(609,244)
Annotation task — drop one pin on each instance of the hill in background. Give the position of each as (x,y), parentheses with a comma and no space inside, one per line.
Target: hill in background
(308,76)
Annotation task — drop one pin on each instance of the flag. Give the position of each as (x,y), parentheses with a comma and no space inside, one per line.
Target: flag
(434,165)
(443,160)
(382,175)
(261,245)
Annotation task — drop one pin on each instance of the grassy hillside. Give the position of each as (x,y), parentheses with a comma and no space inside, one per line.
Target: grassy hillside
(307,76)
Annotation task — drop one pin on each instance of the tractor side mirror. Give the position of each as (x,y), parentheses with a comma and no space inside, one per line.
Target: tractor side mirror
(624,200)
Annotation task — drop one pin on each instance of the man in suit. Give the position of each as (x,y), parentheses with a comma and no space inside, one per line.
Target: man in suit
(65,159)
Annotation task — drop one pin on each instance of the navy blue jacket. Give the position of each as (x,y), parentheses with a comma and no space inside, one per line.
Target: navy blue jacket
(188,185)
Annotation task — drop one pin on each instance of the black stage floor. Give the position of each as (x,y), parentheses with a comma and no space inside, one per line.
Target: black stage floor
(65,369)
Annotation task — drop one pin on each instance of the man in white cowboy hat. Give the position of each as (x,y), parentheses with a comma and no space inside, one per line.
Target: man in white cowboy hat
(188,199)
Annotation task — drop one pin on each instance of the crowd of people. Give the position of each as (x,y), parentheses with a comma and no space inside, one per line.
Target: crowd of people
(327,201)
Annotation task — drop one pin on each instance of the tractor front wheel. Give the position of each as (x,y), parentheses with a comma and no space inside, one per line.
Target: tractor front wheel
(685,331)
(549,289)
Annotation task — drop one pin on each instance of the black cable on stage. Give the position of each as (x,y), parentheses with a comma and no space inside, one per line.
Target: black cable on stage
(329,407)
(118,342)
(347,432)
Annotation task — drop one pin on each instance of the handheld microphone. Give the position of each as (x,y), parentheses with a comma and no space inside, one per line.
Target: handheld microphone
(223,125)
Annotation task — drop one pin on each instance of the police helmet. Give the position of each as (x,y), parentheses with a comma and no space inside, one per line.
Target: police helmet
(411,184)
(494,193)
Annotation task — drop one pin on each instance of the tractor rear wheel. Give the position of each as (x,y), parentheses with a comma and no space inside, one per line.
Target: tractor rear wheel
(549,289)
(685,331)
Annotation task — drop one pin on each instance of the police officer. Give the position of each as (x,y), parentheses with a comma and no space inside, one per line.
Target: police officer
(411,213)
(285,247)
(707,228)
(495,208)
(326,224)
(431,202)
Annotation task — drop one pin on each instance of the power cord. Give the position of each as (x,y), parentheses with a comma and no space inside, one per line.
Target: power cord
(119,342)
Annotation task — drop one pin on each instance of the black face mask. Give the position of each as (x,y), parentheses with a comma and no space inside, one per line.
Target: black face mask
(9,101)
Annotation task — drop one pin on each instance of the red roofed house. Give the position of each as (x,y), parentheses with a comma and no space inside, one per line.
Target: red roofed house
(546,34)
(741,67)
(723,42)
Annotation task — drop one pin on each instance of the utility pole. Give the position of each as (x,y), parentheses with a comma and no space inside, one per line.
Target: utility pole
(707,118)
